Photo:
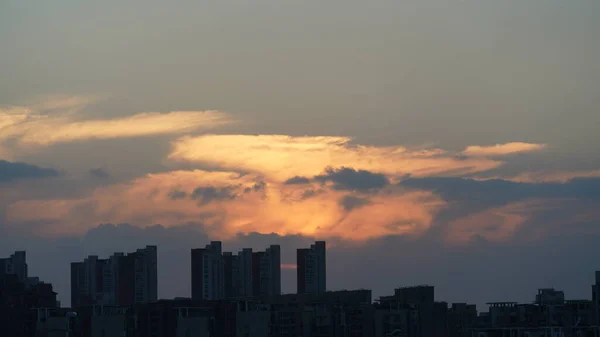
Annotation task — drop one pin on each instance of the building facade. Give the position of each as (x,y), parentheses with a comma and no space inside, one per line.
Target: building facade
(252,273)
(596,298)
(269,272)
(208,272)
(15,264)
(312,269)
(119,280)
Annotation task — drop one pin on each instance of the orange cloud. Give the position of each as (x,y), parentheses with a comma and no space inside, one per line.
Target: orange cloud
(34,126)
(502,149)
(234,204)
(61,130)
(281,157)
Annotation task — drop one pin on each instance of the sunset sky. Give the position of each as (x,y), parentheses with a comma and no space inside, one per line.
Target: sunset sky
(453,143)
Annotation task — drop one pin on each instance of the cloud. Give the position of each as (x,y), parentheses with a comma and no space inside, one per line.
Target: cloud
(350,202)
(499,191)
(493,224)
(558,176)
(55,122)
(499,210)
(502,149)
(176,195)
(528,220)
(280,157)
(297,180)
(207,194)
(10,171)
(59,130)
(99,173)
(224,207)
(311,186)
(346,178)
(309,193)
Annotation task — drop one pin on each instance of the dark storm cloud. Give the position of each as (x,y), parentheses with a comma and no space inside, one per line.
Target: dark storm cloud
(207,194)
(350,202)
(10,171)
(346,178)
(297,180)
(99,173)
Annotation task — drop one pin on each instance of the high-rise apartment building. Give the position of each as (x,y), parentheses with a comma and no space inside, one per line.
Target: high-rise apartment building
(253,273)
(119,280)
(244,275)
(267,272)
(208,274)
(596,298)
(230,274)
(16,264)
(311,269)
(145,275)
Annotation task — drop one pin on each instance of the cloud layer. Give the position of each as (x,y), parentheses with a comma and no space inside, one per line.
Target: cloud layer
(60,121)
(226,203)
(283,157)
(317,186)
(10,171)
(502,149)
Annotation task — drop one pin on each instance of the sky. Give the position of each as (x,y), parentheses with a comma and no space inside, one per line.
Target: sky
(452,143)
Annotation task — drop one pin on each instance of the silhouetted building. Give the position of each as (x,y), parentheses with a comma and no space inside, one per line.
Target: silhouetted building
(238,280)
(549,315)
(119,280)
(418,302)
(549,296)
(208,275)
(252,273)
(398,320)
(53,322)
(19,296)
(15,264)
(86,281)
(596,298)
(230,274)
(415,295)
(145,275)
(332,313)
(244,276)
(267,272)
(186,318)
(461,319)
(311,269)
(105,320)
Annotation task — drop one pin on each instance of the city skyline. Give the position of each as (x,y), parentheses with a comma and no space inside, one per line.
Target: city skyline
(426,141)
(100,282)
(106,272)
(30,308)
(120,280)
(178,242)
